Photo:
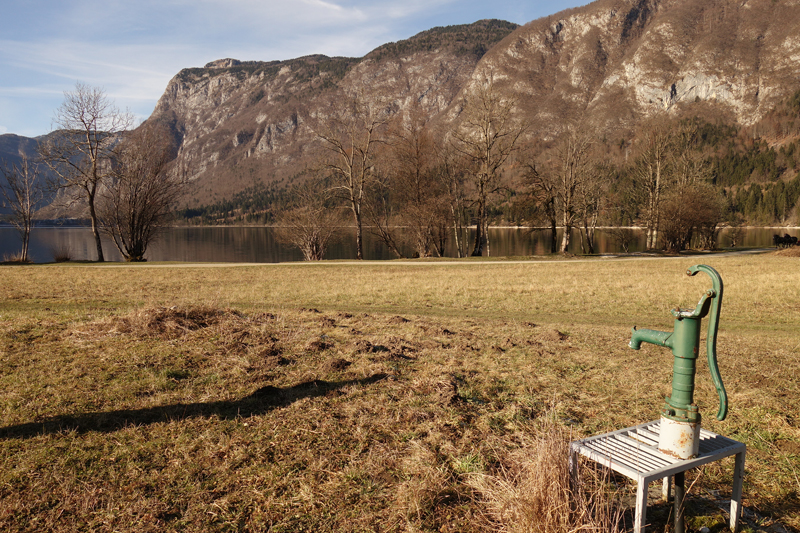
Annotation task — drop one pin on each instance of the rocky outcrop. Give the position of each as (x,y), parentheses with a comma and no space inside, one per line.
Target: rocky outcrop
(239,122)
(615,62)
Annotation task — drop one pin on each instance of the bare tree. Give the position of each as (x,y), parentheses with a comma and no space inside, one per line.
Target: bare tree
(22,194)
(312,225)
(543,187)
(452,174)
(592,200)
(138,200)
(653,173)
(487,135)
(80,153)
(571,180)
(411,161)
(350,136)
(693,210)
(690,164)
(382,214)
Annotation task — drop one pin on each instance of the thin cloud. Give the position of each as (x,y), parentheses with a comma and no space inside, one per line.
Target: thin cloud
(327,5)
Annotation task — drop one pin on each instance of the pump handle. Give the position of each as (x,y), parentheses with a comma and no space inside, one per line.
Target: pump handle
(711,339)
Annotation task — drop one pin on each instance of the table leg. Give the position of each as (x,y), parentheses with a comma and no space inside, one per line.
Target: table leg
(641,506)
(666,486)
(736,496)
(680,492)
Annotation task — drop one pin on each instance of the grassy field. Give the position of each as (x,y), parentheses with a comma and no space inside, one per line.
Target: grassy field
(372,397)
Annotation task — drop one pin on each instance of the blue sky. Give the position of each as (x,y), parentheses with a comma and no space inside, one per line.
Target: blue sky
(133,48)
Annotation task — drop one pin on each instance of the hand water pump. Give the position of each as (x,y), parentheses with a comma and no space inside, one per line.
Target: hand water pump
(680,419)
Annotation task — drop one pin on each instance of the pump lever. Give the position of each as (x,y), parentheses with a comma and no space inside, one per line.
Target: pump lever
(713,326)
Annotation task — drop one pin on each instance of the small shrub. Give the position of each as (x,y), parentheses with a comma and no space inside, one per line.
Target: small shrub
(61,253)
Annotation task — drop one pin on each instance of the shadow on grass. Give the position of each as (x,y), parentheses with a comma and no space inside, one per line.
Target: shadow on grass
(260,402)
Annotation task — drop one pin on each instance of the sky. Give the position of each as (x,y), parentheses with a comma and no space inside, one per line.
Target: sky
(131,49)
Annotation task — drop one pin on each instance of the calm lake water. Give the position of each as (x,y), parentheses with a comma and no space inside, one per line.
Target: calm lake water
(258,244)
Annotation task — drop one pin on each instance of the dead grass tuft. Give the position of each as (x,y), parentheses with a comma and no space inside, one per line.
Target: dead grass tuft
(794,251)
(530,490)
(169,322)
(554,335)
(15,259)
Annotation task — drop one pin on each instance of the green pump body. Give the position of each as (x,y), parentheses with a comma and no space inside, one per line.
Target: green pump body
(684,340)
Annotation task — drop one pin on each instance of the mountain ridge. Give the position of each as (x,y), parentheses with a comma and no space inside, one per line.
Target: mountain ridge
(610,64)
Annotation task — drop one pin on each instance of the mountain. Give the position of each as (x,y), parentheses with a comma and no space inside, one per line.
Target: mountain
(243,125)
(611,63)
(618,61)
(13,148)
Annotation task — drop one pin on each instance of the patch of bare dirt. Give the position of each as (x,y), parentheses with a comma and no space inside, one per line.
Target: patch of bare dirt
(336,365)
(553,335)
(327,322)
(319,345)
(167,322)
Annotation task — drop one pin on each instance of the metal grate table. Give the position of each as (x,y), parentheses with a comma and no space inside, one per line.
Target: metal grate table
(633,452)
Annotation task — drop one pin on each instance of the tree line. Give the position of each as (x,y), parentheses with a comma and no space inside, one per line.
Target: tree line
(390,171)
(395,175)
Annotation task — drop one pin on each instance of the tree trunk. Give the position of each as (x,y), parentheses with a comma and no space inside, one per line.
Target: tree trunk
(356,208)
(486,235)
(566,237)
(480,238)
(95,228)
(26,237)
(456,231)
(359,241)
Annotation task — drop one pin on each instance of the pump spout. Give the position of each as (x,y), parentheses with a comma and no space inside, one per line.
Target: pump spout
(659,338)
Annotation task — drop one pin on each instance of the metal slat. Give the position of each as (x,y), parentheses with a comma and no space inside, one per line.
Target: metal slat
(624,456)
(653,451)
(606,461)
(637,453)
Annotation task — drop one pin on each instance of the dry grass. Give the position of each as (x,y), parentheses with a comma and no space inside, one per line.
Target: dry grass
(794,251)
(15,258)
(369,398)
(531,492)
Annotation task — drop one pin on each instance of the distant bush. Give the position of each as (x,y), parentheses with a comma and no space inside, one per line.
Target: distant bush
(61,253)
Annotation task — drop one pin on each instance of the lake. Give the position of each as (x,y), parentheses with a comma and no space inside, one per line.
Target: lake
(259,245)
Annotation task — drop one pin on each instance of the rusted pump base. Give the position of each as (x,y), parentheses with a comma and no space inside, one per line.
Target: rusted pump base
(679,439)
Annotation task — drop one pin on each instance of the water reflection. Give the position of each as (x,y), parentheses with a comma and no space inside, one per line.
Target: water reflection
(259,244)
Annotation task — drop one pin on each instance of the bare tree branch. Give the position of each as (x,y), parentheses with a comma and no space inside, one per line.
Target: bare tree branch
(80,153)
(22,193)
(139,199)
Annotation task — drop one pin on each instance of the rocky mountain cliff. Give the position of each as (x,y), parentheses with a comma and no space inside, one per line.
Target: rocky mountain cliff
(617,61)
(610,63)
(242,123)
